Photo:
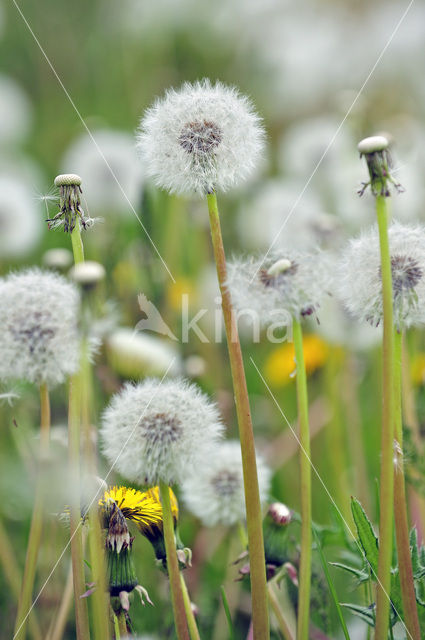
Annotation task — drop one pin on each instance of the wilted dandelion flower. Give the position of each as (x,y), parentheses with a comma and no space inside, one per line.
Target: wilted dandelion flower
(157,431)
(21,223)
(360,281)
(138,506)
(215,493)
(283,286)
(38,317)
(201,138)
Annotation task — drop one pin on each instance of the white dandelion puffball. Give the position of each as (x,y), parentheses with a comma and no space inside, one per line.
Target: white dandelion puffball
(15,111)
(215,492)
(21,221)
(360,281)
(280,287)
(114,155)
(158,431)
(39,336)
(201,138)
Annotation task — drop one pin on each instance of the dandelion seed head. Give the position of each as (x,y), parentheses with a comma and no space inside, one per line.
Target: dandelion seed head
(285,285)
(360,280)
(201,138)
(215,492)
(87,273)
(39,337)
(167,425)
(21,222)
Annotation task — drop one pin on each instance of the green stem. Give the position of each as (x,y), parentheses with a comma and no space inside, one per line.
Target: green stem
(274,603)
(122,624)
(191,622)
(34,540)
(77,244)
(260,617)
(386,486)
(74,419)
(173,564)
(400,507)
(305,480)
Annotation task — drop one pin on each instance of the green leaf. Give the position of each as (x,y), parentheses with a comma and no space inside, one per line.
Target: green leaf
(365,613)
(227,612)
(367,537)
(360,574)
(331,585)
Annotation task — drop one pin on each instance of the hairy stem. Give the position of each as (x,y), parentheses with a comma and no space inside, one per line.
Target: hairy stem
(34,540)
(386,487)
(305,481)
(191,621)
(400,507)
(173,565)
(260,618)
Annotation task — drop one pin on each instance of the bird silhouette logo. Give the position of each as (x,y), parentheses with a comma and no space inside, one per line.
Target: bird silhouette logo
(153,321)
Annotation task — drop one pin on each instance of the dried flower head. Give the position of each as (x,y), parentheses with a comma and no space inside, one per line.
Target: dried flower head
(215,493)
(200,138)
(39,337)
(285,285)
(375,149)
(360,281)
(157,431)
(70,210)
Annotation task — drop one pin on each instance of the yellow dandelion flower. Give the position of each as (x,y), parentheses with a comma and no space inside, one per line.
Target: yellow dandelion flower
(135,505)
(176,290)
(154,494)
(280,365)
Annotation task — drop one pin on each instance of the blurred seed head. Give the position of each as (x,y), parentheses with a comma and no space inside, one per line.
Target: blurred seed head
(21,222)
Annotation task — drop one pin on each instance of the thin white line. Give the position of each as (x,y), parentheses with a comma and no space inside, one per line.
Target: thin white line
(93,500)
(92,138)
(326,490)
(334,136)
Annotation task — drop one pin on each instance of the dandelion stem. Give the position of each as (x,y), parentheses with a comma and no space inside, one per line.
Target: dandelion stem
(36,527)
(173,565)
(386,488)
(400,506)
(260,617)
(74,419)
(274,603)
(77,244)
(191,621)
(305,480)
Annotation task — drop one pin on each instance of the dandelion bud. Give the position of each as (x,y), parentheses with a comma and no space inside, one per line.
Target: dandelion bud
(280,513)
(215,492)
(276,536)
(158,431)
(375,151)
(60,259)
(39,339)
(87,273)
(201,138)
(70,210)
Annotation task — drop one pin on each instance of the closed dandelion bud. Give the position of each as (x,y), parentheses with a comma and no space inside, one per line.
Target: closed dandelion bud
(87,274)
(215,492)
(159,430)
(360,280)
(201,138)
(375,150)
(279,288)
(70,209)
(39,340)
(275,532)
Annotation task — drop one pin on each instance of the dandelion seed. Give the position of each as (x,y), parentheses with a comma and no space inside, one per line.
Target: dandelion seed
(39,338)
(163,427)
(201,138)
(215,493)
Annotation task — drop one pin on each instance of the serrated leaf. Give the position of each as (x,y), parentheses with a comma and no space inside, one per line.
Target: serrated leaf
(360,574)
(365,613)
(367,537)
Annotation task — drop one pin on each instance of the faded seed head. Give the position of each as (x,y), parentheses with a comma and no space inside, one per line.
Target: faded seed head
(200,137)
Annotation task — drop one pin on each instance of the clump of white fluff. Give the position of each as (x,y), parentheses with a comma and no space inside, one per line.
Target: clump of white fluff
(159,431)
(201,138)
(39,334)
(283,286)
(215,493)
(360,281)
